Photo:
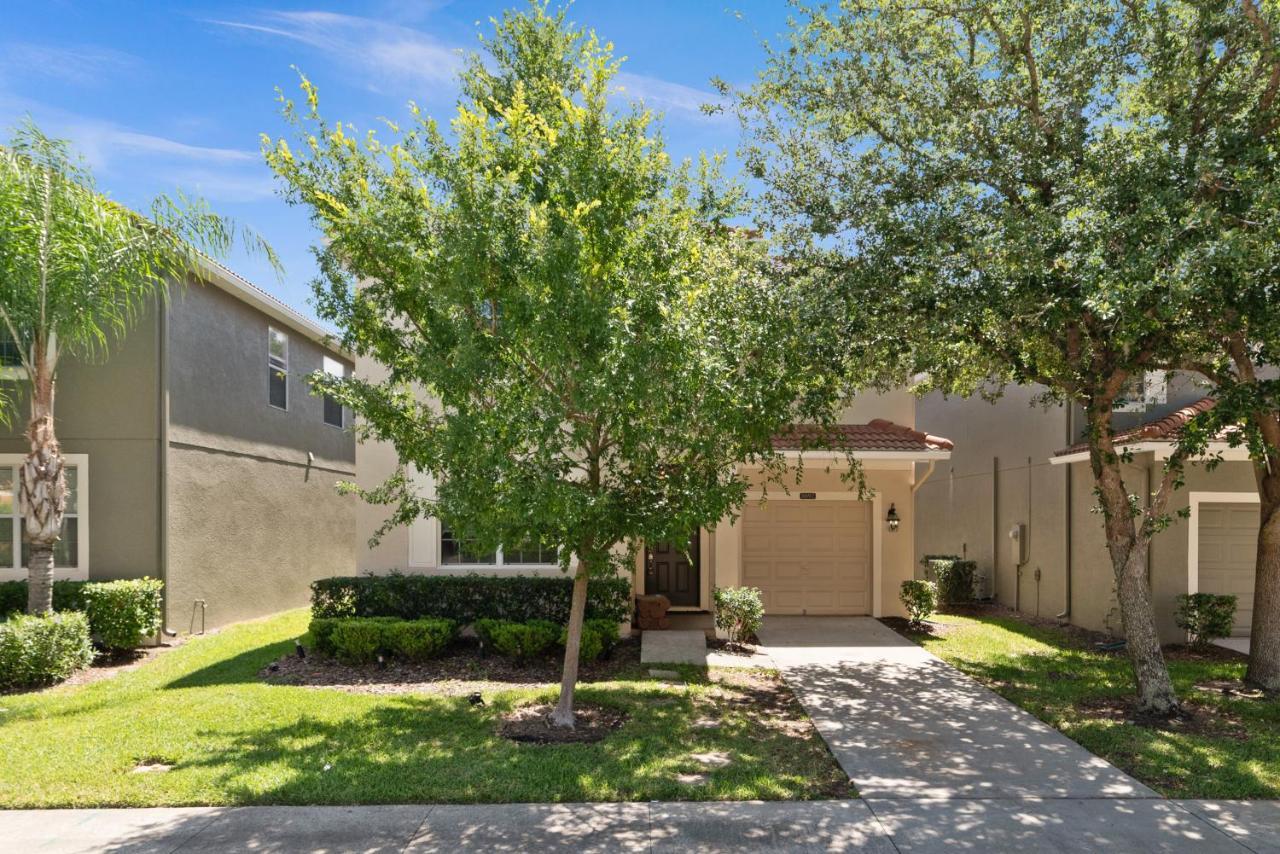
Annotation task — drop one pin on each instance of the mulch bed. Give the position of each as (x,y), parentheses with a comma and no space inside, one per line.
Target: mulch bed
(1204,654)
(105,667)
(532,724)
(459,672)
(1196,718)
(903,627)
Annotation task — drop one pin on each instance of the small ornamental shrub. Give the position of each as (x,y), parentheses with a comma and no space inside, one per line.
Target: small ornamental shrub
(517,640)
(418,640)
(357,641)
(67,596)
(598,638)
(920,598)
(123,614)
(739,612)
(954,576)
(467,598)
(1206,617)
(36,651)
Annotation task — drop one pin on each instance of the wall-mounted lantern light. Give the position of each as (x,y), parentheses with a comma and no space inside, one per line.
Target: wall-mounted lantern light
(893,519)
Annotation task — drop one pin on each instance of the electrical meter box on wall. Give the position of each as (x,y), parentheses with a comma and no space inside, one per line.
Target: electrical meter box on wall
(1018,543)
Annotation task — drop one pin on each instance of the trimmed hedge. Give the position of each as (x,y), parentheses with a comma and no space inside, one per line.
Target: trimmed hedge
(599,637)
(67,596)
(360,640)
(122,614)
(954,575)
(37,651)
(467,598)
(518,640)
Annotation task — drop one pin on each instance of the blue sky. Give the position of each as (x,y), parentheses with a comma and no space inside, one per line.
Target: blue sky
(160,95)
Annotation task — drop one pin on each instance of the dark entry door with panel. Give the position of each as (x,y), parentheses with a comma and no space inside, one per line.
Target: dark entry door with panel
(673,571)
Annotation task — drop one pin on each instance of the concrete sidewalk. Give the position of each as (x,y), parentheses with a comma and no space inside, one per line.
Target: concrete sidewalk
(875,825)
(904,724)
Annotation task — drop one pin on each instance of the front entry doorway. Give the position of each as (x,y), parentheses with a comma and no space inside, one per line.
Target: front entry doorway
(673,570)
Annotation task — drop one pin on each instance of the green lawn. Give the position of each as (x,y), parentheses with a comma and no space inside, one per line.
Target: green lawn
(234,740)
(1229,749)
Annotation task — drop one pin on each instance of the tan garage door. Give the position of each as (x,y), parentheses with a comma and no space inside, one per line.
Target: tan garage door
(809,557)
(1228,549)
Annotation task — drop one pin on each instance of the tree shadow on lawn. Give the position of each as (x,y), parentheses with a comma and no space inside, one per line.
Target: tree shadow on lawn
(412,749)
(1222,748)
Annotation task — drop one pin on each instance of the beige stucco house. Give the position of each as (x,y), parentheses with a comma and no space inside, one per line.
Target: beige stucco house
(197,455)
(813,548)
(1017,497)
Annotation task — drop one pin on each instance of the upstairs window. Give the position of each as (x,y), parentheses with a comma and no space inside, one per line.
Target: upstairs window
(10,355)
(332,408)
(277,368)
(1143,391)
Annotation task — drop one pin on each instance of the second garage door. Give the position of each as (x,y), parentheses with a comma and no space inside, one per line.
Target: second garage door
(1228,551)
(809,557)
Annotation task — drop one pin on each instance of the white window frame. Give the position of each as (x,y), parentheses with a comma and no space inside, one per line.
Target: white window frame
(498,564)
(1155,390)
(79,572)
(333,368)
(271,366)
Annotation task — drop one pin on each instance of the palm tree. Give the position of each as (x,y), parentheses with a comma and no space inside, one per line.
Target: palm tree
(76,270)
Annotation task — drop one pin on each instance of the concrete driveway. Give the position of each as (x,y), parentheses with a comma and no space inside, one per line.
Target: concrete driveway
(904,724)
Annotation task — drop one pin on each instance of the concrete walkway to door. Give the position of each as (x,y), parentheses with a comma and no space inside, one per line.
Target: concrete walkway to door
(904,724)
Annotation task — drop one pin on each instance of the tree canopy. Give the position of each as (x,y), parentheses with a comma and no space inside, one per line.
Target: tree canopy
(1027,193)
(580,346)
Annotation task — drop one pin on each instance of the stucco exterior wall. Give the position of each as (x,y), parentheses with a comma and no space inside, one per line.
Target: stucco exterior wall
(109,411)
(1000,475)
(250,535)
(253,510)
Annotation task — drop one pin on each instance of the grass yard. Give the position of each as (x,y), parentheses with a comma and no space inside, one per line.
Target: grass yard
(1228,746)
(233,739)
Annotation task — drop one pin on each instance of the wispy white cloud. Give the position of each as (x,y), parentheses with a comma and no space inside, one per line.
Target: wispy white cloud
(120,152)
(78,64)
(382,51)
(667,96)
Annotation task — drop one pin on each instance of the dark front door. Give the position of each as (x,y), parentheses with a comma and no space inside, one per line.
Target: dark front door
(672,570)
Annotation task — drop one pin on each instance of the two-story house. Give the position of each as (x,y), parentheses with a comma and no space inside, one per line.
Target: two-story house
(196,454)
(813,548)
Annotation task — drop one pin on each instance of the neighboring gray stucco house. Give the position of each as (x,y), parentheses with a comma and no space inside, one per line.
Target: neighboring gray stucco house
(1020,468)
(197,455)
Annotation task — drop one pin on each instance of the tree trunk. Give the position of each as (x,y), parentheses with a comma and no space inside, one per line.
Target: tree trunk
(1264,637)
(563,715)
(1127,545)
(42,493)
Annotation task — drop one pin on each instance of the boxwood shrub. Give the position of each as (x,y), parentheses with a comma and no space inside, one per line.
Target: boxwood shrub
(122,614)
(467,598)
(518,640)
(599,637)
(37,651)
(954,576)
(1206,617)
(359,640)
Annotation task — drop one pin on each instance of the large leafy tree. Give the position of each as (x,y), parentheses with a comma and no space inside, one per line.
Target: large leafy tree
(1020,191)
(1225,129)
(76,269)
(580,350)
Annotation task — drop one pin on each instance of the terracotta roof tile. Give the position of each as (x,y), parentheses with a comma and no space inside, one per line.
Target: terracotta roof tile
(876,435)
(1163,429)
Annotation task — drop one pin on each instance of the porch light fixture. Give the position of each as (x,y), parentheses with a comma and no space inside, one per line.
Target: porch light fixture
(893,519)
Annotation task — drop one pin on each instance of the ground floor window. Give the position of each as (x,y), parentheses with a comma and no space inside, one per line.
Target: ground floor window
(458,551)
(67,553)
